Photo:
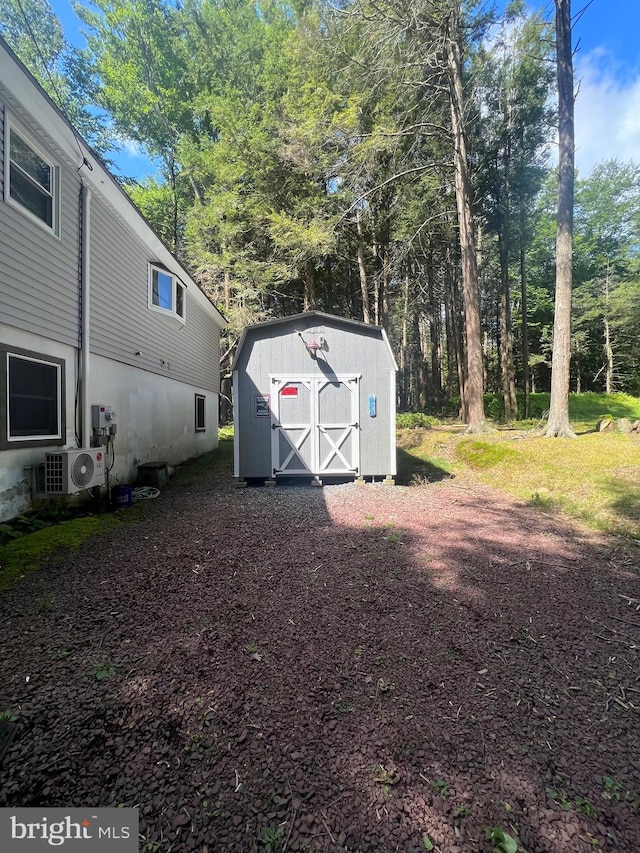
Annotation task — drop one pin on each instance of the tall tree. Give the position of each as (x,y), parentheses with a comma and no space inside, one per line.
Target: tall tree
(558,422)
(473,398)
(607,230)
(33,31)
(514,79)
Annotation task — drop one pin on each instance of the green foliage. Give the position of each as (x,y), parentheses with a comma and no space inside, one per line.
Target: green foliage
(8,716)
(34,33)
(270,839)
(415,420)
(441,787)
(305,163)
(585,410)
(502,841)
(105,670)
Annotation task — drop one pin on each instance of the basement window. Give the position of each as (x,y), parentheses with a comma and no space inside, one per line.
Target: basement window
(200,413)
(33,387)
(167,293)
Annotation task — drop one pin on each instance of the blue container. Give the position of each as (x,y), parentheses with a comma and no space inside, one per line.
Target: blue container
(121,496)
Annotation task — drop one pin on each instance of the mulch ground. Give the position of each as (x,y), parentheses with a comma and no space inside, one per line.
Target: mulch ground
(339,669)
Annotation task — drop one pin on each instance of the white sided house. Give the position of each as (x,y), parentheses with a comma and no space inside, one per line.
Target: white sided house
(107,346)
(314,396)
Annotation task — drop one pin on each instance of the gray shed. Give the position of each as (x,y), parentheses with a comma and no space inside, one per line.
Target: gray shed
(314,395)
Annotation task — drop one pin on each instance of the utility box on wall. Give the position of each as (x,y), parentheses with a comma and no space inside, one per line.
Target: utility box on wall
(314,395)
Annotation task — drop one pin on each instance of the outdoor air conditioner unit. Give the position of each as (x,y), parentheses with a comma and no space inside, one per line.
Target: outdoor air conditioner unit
(70,471)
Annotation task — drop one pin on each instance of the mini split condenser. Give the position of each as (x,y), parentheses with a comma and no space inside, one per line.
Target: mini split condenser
(70,471)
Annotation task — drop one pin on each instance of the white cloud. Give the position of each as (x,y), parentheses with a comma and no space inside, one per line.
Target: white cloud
(607,112)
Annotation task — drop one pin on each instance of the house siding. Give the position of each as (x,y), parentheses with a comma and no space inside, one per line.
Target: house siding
(146,365)
(39,282)
(122,324)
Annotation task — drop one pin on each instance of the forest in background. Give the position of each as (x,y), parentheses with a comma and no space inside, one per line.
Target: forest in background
(307,155)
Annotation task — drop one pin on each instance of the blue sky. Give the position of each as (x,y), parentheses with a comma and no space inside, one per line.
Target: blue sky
(606,36)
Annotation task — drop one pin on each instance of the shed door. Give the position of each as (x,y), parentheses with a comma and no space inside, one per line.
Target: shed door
(314,423)
(337,426)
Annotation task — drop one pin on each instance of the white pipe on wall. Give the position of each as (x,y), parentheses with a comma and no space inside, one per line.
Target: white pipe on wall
(85,360)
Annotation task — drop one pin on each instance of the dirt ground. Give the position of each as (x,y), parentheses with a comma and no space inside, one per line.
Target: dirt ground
(351,668)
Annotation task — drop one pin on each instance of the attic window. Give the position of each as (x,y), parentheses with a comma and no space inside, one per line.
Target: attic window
(166,293)
(33,180)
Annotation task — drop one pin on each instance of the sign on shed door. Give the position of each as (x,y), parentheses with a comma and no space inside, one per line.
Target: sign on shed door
(314,424)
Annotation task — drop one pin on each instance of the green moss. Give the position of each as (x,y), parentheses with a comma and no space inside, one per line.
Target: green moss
(481,455)
(29,552)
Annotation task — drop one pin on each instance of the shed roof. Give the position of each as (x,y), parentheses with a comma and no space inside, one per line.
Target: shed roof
(319,317)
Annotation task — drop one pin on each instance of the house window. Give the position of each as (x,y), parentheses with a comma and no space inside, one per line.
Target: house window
(166,293)
(33,390)
(200,413)
(33,180)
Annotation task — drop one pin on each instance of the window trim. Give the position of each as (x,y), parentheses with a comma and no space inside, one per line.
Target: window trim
(176,285)
(200,428)
(12,126)
(8,443)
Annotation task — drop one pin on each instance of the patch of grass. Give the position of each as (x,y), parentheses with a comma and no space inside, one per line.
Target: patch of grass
(482,454)
(30,551)
(585,410)
(45,603)
(594,478)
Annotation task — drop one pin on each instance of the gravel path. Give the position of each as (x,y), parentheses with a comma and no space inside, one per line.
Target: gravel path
(339,669)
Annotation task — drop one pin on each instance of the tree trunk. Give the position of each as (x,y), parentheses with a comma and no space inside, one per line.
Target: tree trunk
(227,292)
(474,386)
(309,287)
(455,345)
(558,424)
(366,309)
(435,333)
(525,333)
(608,349)
(405,361)
(507,369)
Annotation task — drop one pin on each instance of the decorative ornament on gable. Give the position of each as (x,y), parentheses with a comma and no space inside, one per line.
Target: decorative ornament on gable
(313,346)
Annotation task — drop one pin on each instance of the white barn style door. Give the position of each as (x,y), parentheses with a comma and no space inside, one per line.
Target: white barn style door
(315,425)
